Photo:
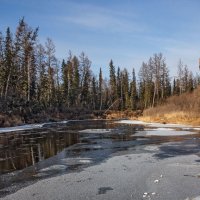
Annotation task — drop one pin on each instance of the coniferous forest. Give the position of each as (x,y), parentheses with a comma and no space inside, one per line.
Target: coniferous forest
(34,82)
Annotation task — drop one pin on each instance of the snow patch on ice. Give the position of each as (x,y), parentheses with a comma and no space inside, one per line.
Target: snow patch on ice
(64,122)
(132,122)
(159,129)
(74,161)
(151,148)
(54,167)
(97,147)
(85,161)
(154,125)
(95,131)
(168,133)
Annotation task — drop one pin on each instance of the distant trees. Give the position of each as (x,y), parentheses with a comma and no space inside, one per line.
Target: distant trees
(18,64)
(154,81)
(32,77)
(133,92)
(113,85)
(100,90)
(185,81)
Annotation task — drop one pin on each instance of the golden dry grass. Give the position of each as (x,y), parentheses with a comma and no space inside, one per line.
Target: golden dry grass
(128,114)
(184,109)
(175,117)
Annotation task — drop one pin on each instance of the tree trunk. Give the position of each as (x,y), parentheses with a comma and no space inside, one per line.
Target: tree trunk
(7,84)
(100,102)
(154,95)
(29,80)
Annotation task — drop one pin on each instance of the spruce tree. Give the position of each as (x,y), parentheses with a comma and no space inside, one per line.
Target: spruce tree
(125,87)
(2,66)
(94,93)
(133,91)
(85,79)
(76,81)
(113,85)
(100,89)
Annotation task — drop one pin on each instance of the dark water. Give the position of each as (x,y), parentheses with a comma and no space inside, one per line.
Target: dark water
(22,149)
(31,155)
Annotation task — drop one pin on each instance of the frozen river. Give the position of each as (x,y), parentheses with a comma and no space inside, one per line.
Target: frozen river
(100,160)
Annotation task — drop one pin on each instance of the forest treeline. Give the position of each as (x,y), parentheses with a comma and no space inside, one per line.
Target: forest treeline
(32,77)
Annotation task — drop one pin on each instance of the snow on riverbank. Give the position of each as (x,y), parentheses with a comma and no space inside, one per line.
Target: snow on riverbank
(20,128)
(29,126)
(158,129)
(155,125)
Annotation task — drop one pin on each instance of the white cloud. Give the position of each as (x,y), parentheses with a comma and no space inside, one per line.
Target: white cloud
(139,41)
(99,18)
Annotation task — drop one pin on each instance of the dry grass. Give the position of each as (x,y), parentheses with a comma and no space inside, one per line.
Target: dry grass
(14,119)
(10,120)
(128,114)
(177,109)
(173,117)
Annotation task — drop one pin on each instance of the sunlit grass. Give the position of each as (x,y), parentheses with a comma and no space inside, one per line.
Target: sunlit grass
(177,109)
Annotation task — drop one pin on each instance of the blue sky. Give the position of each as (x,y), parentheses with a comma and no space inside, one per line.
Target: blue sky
(128,31)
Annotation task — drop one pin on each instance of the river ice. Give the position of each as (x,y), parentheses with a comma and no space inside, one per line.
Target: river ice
(158,129)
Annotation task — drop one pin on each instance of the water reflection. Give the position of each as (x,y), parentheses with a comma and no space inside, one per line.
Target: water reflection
(22,149)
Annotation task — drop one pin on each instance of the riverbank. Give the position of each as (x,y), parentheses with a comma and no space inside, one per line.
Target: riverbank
(179,109)
(177,117)
(11,120)
(170,117)
(28,117)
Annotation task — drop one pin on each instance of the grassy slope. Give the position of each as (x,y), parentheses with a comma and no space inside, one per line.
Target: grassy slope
(177,109)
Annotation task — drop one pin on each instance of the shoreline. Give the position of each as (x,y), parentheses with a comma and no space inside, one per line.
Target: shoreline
(16,120)
(169,118)
(139,120)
